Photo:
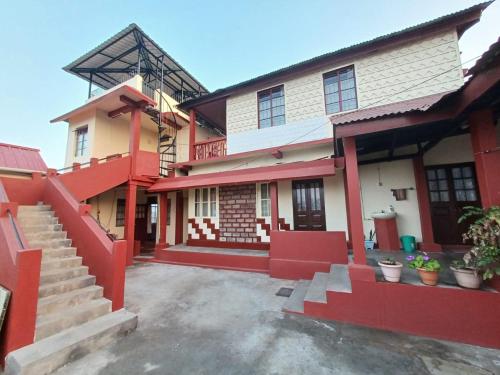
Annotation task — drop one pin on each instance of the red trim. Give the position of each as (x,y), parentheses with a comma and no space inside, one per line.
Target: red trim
(192,134)
(246,154)
(353,197)
(273,192)
(306,169)
(424,207)
(179,217)
(129,230)
(228,245)
(164,201)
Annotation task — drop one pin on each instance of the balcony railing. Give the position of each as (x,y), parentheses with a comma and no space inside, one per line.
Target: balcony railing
(211,148)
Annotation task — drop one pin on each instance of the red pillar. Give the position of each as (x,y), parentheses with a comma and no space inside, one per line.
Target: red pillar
(424,207)
(349,241)
(273,192)
(354,199)
(179,217)
(130,203)
(486,156)
(192,133)
(163,207)
(135,137)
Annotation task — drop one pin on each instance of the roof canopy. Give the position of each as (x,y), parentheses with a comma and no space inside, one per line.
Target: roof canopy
(20,159)
(130,52)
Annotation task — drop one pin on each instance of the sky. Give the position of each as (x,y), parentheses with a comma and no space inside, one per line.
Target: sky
(218,42)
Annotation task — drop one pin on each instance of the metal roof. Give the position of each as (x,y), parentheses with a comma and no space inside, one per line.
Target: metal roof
(462,20)
(113,61)
(421,104)
(19,158)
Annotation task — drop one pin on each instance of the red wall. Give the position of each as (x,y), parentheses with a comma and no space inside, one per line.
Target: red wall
(299,254)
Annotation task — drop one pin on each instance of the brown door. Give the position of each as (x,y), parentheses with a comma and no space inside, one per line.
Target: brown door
(451,188)
(308,205)
(141,222)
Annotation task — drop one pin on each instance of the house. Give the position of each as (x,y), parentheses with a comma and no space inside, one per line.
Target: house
(283,173)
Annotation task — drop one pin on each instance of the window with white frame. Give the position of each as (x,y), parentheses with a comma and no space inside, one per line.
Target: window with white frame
(81,141)
(265,200)
(205,202)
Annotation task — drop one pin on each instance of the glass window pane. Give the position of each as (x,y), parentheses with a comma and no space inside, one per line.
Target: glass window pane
(460,195)
(456,172)
(431,174)
(205,195)
(279,111)
(349,105)
(433,185)
(332,98)
(434,197)
(213,208)
(265,114)
(348,94)
(441,173)
(205,208)
(265,123)
(332,89)
(213,194)
(444,196)
(467,171)
(263,96)
(469,183)
(278,101)
(348,84)
(197,195)
(332,108)
(458,184)
(279,120)
(471,195)
(264,191)
(443,185)
(197,209)
(265,207)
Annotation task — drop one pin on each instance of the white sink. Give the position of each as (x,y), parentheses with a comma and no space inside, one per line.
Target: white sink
(384,215)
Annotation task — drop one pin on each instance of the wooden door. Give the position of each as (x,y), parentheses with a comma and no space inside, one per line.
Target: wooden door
(451,188)
(141,222)
(308,205)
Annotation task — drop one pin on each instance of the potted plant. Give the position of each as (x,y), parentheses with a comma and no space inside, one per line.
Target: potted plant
(483,259)
(427,268)
(370,243)
(391,269)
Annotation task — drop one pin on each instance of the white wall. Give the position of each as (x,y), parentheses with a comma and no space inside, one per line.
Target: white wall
(377,180)
(450,150)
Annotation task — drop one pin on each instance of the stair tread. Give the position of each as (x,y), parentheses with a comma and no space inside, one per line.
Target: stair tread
(47,354)
(71,293)
(295,302)
(67,281)
(57,260)
(317,290)
(339,280)
(62,270)
(70,312)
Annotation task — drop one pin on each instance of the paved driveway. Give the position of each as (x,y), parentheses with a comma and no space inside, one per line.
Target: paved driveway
(203,321)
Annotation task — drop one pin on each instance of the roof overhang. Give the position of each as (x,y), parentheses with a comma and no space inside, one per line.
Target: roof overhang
(305,170)
(115,101)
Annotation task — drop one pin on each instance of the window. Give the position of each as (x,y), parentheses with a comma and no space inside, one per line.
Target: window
(154,213)
(265,201)
(205,202)
(120,212)
(81,141)
(340,90)
(464,184)
(438,185)
(271,107)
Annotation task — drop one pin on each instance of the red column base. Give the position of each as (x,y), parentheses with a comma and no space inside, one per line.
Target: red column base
(429,246)
(387,234)
(160,246)
(361,272)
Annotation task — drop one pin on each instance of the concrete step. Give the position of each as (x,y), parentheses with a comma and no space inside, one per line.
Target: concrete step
(61,274)
(37,220)
(47,355)
(35,213)
(317,290)
(50,324)
(50,243)
(37,207)
(56,302)
(59,252)
(45,235)
(339,280)
(295,302)
(60,263)
(35,228)
(66,285)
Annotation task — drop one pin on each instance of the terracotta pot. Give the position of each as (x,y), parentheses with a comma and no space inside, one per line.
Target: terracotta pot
(428,277)
(467,278)
(392,273)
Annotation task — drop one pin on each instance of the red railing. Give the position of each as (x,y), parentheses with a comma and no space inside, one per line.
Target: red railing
(210,148)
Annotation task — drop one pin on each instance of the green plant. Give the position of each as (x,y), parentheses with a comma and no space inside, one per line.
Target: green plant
(390,261)
(424,262)
(459,264)
(371,236)
(484,233)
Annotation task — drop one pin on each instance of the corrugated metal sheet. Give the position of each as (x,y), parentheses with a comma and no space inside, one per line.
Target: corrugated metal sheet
(21,158)
(418,104)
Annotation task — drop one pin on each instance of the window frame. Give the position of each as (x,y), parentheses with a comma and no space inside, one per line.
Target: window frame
(200,203)
(270,90)
(120,212)
(328,75)
(85,140)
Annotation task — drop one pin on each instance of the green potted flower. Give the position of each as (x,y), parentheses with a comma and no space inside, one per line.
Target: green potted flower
(482,261)
(391,269)
(428,268)
(370,242)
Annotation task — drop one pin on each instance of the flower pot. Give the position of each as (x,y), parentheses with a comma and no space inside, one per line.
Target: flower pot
(467,278)
(369,245)
(392,272)
(428,277)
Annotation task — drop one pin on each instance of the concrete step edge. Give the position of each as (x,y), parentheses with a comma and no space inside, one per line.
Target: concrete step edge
(317,290)
(295,302)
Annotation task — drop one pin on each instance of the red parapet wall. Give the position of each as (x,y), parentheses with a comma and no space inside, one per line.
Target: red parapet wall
(468,316)
(299,254)
(105,258)
(147,164)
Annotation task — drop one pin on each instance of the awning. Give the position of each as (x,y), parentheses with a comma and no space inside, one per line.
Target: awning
(304,169)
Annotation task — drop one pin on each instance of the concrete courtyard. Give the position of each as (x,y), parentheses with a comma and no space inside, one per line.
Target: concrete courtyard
(204,321)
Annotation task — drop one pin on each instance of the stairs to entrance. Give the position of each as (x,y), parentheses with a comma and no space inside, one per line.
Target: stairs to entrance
(309,294)
(73,317)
